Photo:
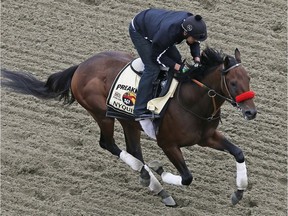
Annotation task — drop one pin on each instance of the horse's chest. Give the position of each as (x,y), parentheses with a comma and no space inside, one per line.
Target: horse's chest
(200,134)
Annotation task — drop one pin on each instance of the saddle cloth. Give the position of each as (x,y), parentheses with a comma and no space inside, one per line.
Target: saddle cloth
(123,93)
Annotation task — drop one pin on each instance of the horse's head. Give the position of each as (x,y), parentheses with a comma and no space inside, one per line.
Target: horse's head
(236,85)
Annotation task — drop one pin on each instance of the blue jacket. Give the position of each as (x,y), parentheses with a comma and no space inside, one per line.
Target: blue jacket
(163,29)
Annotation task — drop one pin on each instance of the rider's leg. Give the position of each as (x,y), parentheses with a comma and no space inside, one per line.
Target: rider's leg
(150,74)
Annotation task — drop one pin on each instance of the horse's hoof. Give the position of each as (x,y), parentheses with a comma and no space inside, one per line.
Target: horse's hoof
(169,201)
(156,166)
(237,196)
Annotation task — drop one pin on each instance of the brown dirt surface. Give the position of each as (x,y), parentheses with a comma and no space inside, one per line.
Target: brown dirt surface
(51,163)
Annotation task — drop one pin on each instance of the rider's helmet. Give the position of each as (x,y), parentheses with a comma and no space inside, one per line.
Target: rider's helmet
(195,27)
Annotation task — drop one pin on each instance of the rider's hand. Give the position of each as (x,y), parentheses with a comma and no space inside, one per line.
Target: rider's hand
(196,59)
(196,64)
(184,68)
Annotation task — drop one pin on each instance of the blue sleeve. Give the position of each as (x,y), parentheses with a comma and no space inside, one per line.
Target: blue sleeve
(161,42)
(195,49)
(159,57)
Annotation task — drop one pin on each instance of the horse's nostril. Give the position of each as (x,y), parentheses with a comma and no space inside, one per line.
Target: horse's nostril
(250,114)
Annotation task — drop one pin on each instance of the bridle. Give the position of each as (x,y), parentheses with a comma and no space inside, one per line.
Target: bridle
(212,94)
(238,98)
(224,82)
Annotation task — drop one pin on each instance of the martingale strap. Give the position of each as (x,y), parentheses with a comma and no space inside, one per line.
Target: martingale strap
(244,96)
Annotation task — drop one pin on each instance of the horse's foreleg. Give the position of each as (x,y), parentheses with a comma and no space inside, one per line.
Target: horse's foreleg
(175,156)
(219,142)
(166,176)
(241,173)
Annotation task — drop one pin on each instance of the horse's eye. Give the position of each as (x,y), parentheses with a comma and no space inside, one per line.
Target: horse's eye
(233,84)
(233,87)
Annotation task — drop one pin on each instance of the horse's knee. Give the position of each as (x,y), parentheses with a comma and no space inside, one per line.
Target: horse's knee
(187,179)
(233,150)
(239,155)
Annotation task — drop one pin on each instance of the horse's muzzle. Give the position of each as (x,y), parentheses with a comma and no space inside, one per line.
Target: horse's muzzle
(249,114)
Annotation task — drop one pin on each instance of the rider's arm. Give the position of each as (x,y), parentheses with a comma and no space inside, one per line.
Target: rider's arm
(195,51)
(159,57)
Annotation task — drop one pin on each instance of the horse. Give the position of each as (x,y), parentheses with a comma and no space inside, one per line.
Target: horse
(192,115)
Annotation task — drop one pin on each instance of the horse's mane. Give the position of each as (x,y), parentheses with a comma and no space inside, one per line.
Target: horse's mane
(210,58)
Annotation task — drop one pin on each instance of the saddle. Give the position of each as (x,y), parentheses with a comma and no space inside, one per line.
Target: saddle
(122,95)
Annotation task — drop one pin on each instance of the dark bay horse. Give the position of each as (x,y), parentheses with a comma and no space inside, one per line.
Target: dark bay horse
(192,116)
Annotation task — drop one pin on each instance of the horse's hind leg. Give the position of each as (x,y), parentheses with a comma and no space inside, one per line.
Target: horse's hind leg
(106,138)
(106,126)
(109,144)
(219,142)
(133,157)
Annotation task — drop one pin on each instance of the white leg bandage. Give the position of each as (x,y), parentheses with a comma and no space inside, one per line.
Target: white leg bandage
(137,165)
(133,162)
(154,185)
(241,178)
(171,179)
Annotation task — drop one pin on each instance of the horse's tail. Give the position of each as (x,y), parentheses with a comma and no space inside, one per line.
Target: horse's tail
(56,86)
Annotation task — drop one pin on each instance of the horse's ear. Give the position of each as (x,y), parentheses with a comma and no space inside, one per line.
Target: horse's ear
(226,62)
(237,55)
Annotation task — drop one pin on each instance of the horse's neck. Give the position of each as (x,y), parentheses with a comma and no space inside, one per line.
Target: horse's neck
(197,98)
(213,80)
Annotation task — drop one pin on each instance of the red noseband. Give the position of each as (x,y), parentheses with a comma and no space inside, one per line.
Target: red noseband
(244,96)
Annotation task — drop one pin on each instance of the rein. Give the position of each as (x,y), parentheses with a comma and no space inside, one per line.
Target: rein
(211,93)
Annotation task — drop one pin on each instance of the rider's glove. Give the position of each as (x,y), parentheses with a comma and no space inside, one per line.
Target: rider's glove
(196,64)
(184,68)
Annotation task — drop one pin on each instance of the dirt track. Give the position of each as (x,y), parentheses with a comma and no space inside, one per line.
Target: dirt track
(51,163)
